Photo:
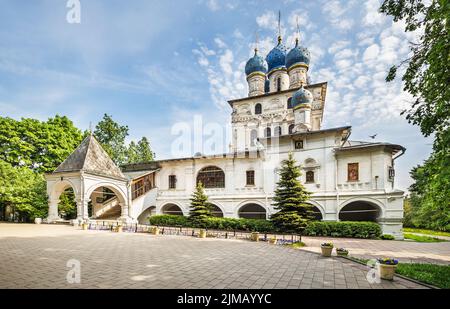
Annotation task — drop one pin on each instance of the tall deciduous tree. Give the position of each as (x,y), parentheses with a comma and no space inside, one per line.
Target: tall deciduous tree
(132,153)
(111,136)
(291,200)
(23,190)
(145,152)
(427,79)
(200,207)
(40,146)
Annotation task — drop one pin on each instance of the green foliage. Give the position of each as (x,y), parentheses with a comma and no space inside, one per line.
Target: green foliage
(67,207)
(428,72)
(420,238)
(144,151)
(387,237)
(169,220)
(23,190)
(344,229)
(40,146)
(290,200)
(230,224)
(427,79)
(437,275)
(140,152)
(200,207)
(112,136)
(426,232)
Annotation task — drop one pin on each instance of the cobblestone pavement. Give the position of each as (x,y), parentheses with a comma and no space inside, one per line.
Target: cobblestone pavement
(35,256)
(405,251)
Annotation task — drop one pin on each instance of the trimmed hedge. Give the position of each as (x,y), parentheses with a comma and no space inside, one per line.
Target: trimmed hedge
(317,228)
(252,225)
(344,229)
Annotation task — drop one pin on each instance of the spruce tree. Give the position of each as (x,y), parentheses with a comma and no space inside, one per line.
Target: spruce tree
(200,207)
(291,200)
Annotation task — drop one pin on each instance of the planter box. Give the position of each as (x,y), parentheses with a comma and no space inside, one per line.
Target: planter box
(155,231)
(326,251)
(386,272)
(272,241)
(84,226)
(37,220)
(202,234)
(341,253)
(254,236)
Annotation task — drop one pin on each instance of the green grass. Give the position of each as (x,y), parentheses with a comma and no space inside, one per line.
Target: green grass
(437,275)
(419,238)
(427,232)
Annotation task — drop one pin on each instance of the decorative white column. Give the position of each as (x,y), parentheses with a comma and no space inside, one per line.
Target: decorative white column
(53,210)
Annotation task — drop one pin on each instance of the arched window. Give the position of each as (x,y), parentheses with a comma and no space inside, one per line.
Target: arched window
(309,177)
(253,137)
(171,209)
(268,132)
(258,109)
(279,84)
(278,131)
(291,128)
(289,103)
(211,177)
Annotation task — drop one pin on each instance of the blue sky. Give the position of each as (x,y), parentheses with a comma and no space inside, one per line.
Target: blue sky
(151,64)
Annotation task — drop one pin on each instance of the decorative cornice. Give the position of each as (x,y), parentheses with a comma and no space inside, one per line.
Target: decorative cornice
(298,65)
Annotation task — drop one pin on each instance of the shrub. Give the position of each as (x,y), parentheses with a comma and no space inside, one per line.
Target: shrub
(169,220)
(231,224)
(344,229)
(387,237)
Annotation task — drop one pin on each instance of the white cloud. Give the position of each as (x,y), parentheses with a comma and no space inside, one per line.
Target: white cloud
(268,20)
(213,5)
(220,43)
(371,53)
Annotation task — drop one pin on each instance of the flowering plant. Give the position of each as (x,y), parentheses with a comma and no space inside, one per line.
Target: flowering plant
(341,250)
(388,261)
(327,244)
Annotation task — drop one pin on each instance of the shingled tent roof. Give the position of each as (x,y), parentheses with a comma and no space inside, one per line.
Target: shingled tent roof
(91,158)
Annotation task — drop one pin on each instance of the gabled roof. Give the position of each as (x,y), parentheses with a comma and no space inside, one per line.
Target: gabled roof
(364,145)
(91,158)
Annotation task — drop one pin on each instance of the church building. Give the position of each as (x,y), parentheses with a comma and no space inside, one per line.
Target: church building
(283,113)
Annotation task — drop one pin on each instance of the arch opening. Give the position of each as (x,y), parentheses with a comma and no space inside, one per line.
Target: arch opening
(360,211)
(216,211)
(143,217)
(172,209)
(252,211)
(105,203)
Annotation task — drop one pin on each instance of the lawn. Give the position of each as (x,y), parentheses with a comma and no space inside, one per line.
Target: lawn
(427,232)
(437,275)
(420,238)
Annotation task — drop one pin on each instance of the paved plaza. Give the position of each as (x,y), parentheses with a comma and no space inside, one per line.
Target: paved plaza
(35,256)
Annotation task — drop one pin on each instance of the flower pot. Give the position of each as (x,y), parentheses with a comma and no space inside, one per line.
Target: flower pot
(386,272)
(272,241)
(37,220)
(326,251)
(119,229)
(155,231)
(84,226)
(254,236)
(202,234)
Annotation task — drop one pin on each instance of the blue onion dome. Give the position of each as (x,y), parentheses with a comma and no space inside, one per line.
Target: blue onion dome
(301,96)
(256,64)
(298,55)
(267,86)
(276,58)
